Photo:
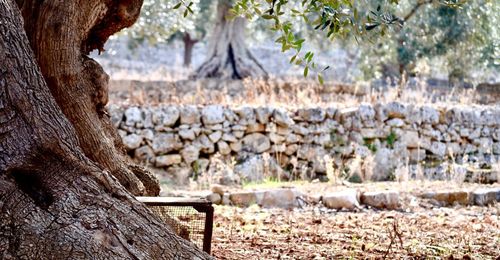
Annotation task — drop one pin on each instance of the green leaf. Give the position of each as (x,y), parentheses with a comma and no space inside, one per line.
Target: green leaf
(320,79)
(268,16)
(177,5)
(306,71)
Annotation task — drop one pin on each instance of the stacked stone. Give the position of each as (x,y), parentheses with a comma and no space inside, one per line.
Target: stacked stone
(182,135)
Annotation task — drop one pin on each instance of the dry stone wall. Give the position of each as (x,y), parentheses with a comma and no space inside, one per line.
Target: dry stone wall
(309,142)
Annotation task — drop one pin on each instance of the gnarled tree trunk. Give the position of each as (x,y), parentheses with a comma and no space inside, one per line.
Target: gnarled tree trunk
(55,203)
(61,34)
(228,56)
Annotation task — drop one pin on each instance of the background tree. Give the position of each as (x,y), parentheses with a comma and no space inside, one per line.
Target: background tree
(159,22)
(227,54)
(451,41)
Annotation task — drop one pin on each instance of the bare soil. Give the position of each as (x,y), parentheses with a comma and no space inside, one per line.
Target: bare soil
(425,232)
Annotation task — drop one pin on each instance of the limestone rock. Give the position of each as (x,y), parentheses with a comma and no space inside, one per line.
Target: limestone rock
(247,114)
(381,199)
(215,198)
(313,115)
(429,115)
(276,138)
(263,114)
(228,137)
(132,141)
(190,154)
(347,199)
(255,128)
(366,112)
(395,110)
(280,198)
(485,196)
(223,148)
(245,198)
(309,152)
(205,145)
(236,146)
(133,115)
(219,189)
(282,118)
(384,165)
(410,139)
(256,143)
(448,198)
(167,160)
(212,114)
(170,116)
(165,143)
(438,149)
(189,115)
(187,134)
(215,136)
(144,153)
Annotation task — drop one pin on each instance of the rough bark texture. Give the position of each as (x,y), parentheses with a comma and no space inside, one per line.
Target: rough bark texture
(188,48)
(55,203)
(228,56)
(61,34)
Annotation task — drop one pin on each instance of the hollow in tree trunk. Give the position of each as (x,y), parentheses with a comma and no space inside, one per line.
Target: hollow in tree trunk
(61,35)
(55,203)
(188,48)
(228,56)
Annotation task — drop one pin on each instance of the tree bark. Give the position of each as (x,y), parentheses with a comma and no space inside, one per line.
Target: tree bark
(188,49)
(228,56)
(55,203)
(62,34)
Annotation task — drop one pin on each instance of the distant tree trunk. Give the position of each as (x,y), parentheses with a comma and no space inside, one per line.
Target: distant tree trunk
(62,34)
(228,55)
(55,203)
(188,48)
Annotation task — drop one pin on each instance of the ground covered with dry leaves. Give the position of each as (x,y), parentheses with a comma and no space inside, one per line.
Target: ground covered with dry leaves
(313,232)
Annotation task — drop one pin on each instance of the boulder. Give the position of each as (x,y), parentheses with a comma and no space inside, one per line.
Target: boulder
(282,118)
(313,115)
(169,116)
(223,148)
(212,114)
(366,112)
(410,139)
(165,143)
(215,136)
(133,115)
(280,198)
(245,198)
(187,134)
(215,198)
(256,143)
(132,141)
(144,153)
(263,114)
(204,144)
(395,110)
(381,199)
(347,199)
(190,154)
(448,198)
(219,189)
(167,160)
(189,115)
(485,196)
